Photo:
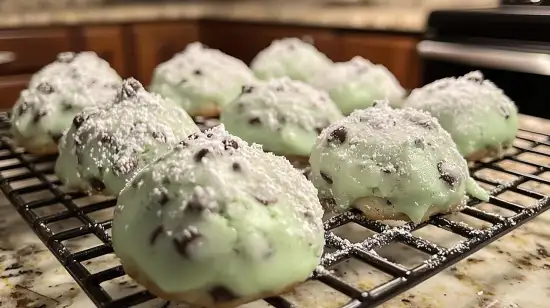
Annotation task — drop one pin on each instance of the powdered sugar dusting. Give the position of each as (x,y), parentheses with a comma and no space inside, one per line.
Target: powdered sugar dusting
(201,73)
(474,111)
(290,57)
(360,74)
(374,151)
(59,91)
(259,175)
(279,102)
(122,137)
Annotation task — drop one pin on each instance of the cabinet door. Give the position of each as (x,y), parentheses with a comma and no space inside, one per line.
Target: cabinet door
(245,40)
(10,88)
(108,43)
(396,52)
(156,43)
(31,49)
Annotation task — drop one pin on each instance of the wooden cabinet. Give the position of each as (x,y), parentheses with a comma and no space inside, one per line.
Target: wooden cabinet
(396,52)
(108,43)
(33,48)
(136,49)
(10,87)
(245,40)
(156,43)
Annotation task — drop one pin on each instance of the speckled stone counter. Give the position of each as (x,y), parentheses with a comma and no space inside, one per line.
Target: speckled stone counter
(512,272)
(403,19)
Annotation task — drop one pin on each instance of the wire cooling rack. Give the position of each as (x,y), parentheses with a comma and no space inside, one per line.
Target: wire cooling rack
(531,151)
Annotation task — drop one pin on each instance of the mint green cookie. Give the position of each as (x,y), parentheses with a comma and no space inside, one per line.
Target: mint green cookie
(391,164)
(216,221)
(289,57)
(58,92)
(479,116)
(356,84)
(283,115)
(201,80)
(106,146)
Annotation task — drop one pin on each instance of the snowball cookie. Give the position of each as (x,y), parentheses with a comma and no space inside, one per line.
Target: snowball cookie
(56,94)
(217,223)
(394,164)
(356,84)
(284,116)
(106,146)
(290,57)
(481,119)
(201,80)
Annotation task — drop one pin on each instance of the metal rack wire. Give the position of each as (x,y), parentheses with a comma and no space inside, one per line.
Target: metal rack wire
(402,278)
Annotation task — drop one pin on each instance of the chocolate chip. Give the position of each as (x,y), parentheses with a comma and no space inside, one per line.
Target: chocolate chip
(96,184)
(247,89)
(106,139)
(222,294)
(386,170)
(265,202)
(230,144)
(504,112)
(445,176)
(201,154)
(255,121)
(155,234)
(56,137)
(423,123)
(125,166)
(22,108)
(159,136)
(197,72)
(45,88)
(78,120)
(130,88)
(182,143)
(193,136)
(182,242)
(326,177)
(163,199)
(236,167)
(419,143)
(66,57)
(194,206)
(37,116)
(67,106)
(338,136)
(388,202)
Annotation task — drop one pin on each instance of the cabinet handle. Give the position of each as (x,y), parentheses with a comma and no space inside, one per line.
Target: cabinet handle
(7,57)
(488,57)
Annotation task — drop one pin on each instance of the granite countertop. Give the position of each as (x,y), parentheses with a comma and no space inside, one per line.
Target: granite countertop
(511,272)
(402,19)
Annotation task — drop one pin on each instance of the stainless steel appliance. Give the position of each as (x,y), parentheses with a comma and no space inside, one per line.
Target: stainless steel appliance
(509,44)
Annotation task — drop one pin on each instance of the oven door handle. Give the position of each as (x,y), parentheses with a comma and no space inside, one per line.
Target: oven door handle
(488,57)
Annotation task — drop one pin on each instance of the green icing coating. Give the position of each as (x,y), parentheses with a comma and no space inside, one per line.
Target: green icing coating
(107,145)
(58,92)
(289,57)
(216,212)
(400,156)
(283,115)
(476,113)
(200,79)
(356,84)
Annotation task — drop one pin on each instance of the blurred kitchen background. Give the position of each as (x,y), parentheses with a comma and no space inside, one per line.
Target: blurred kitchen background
(418,40)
